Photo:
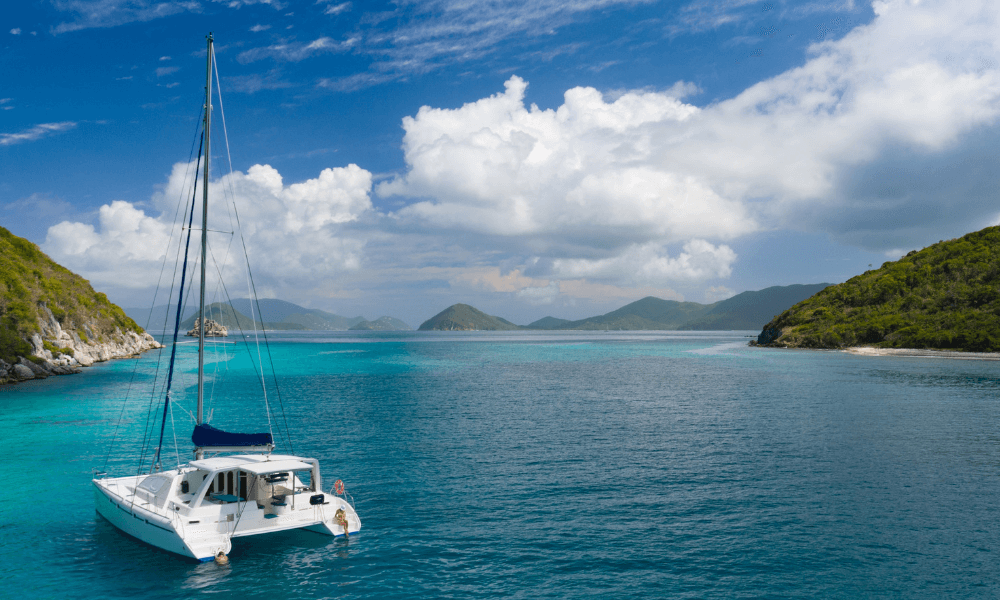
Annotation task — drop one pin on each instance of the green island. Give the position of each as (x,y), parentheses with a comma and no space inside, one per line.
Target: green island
(462,317)
(944,297)
(382,323)
(34,291)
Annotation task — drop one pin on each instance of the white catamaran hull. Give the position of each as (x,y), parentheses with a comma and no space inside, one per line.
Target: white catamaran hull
(169,522)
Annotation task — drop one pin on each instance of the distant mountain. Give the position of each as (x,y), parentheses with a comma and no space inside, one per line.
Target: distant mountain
(647,314)
(462,317)
(548,323)
(267,309)
(337,320)
(323,321)
(742,311)
(158,317)
(751,310)
(235,321)
(381,324)
(275,314)
(281,311)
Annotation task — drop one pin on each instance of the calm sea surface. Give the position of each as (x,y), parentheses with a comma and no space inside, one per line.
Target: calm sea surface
(541,465)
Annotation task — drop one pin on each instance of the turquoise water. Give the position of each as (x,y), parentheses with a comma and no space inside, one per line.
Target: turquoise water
(541,465)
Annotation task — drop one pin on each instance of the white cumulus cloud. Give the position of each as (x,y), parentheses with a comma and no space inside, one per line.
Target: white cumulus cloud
(580,180)
(123,252)
(650,264)
(292,231)
(497,155)
(874,139)
(540,295)
(880,139)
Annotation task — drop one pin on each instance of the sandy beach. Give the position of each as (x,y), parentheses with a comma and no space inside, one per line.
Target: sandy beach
(869,351)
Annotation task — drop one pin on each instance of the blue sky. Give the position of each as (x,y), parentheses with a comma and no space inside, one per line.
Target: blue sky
(539,158)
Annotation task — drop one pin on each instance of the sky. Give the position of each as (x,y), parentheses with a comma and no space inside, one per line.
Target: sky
(538,158)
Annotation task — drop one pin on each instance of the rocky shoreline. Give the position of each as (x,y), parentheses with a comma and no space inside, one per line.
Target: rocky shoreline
(44,362)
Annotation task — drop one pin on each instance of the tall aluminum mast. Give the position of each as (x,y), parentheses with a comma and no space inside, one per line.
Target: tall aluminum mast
(204,235)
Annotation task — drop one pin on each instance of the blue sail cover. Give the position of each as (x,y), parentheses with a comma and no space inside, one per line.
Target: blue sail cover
(206,436)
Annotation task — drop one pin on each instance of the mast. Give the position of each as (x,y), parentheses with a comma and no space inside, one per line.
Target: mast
(204,234)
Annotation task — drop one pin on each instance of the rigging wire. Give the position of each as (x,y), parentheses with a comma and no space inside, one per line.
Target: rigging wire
(270,360)
(232,198)
(150,419)
(154,394)
(149,317)
(177,325)
(225,132)
(251,285)
(218,378)
(257,373)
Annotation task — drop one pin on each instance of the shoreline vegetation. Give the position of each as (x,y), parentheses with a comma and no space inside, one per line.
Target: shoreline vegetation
(52,322)
(944,297)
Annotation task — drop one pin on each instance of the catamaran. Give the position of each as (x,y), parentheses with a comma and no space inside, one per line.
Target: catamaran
(236,485)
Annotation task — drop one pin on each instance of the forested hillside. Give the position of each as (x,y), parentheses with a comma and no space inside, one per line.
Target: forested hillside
(944,297)
(31,284)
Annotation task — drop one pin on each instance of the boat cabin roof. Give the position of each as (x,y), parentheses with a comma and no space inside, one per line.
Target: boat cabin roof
(256,464)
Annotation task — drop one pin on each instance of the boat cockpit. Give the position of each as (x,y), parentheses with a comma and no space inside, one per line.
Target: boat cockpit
(272,482)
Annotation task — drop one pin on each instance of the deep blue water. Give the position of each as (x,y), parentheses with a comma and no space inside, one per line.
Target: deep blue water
(541,465)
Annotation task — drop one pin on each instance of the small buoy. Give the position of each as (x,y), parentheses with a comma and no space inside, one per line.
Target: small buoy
(221,558)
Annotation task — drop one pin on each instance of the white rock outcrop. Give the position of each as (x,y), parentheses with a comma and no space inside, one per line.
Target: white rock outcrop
(120,344)
(212,329)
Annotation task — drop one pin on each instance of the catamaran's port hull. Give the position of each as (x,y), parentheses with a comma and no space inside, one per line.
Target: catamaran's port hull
(147,526)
